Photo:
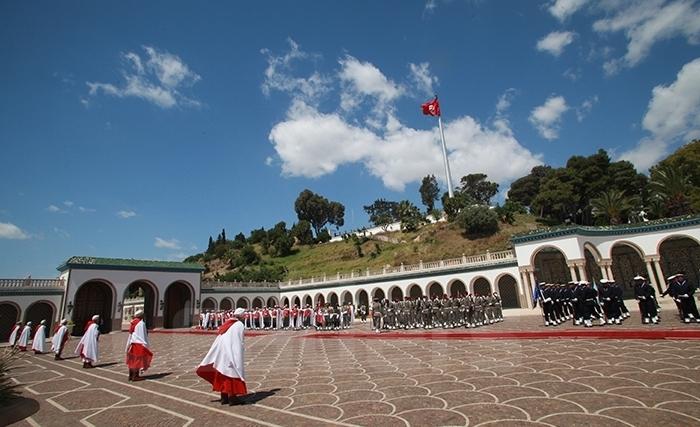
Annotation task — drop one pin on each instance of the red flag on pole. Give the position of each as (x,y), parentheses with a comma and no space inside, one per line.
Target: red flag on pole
(431,108)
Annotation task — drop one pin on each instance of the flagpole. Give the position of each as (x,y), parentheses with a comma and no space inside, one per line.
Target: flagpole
(447,163)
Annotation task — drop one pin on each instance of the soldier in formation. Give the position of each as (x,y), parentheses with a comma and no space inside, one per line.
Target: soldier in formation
(682,293)
(468,311)
(582,302)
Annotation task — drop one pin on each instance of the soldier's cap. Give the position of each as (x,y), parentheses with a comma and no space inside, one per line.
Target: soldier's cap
(638,278)
(671,277)
(603,281)
(583,282)
(43,322)
(543,283)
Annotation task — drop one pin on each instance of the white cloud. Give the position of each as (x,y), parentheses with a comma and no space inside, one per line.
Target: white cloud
(547,117)
(68,203)
(86,210)
(673,115)
(562,9)
(158,78)
(178,256)
(12,232)
(585,108)
(61,233)
(278,75)
(572,74)
(423,79)
(55,209)
(555,42)
(126,214)
(312,144)
(646,23)
(167,244)
(361,80)
(505,100)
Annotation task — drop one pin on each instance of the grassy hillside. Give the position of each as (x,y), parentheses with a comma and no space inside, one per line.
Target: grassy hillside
(432,242)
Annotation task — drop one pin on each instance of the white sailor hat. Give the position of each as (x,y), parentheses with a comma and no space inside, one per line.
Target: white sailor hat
(43,322)
(95,317)
(639,278)
(603,281)
(671,277)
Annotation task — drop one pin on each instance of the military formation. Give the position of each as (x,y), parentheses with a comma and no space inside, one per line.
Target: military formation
(327,317)
(582,302)
(468,311)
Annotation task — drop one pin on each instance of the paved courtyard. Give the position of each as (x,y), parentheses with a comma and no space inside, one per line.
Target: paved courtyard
(390,379)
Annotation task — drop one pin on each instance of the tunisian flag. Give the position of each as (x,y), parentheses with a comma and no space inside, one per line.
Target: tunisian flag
(431,108)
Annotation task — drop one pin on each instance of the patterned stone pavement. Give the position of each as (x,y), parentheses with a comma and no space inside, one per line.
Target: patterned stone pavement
(386,379)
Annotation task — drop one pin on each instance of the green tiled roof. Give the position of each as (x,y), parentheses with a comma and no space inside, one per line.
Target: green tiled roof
(87,262)
(611,230)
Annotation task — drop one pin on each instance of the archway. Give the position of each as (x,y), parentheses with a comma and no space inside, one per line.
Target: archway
(308,301)
(415,292)
(680,253)
(592,267)
(242,303)
(40,310)
(346,297)
(271,302)
(209,304)
(482,286)
(362,298)
(435,290)
(627,262)
(285,302)
(258,302)
(226,304)
(550,266)
(396,294)
(378,293)
(297,301)
(140,295)
(93,297)
(320,300)
(457,289)
(333,298)
(177,311)
(508,290)
(9,315)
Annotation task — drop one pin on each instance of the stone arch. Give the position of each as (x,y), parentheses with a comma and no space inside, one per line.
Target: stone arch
(362,298)
(9,316)
(308,300)
(320,299)
(209,304)
(226,304)
(243,302)
(414,291)
(346,297)
(140,294)
(177,304)
(550,265)
(272,301)
(508,291)
(378,293)
(296,301)
(333,298)
(592,258)
(435,289)
(258,302)
(456,288)
(41,310)
(680,253)
(627,262)
(481,286)
(395,293)
(285,302)
(95,296)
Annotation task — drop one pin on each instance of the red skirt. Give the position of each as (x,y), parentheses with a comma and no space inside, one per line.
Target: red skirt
(138,357)
(221,382)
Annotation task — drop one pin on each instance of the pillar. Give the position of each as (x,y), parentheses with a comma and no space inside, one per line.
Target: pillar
(662,280)
(572,270)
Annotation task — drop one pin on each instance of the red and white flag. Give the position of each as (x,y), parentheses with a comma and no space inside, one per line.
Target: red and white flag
(431,108)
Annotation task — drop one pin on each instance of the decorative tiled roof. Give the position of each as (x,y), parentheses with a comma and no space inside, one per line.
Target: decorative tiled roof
(610,230)
(86,262)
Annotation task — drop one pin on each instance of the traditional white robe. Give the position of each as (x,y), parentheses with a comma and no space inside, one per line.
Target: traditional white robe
(15,333)
(39,341)
(87,347)
(227,352)
(24,337)
(57,339)
(139,336)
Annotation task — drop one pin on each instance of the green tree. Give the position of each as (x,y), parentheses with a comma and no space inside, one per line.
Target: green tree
(240,237)
(429,192)
(506,213)
(257,235)
(557,199)
(612,206)
(301,231)
(525,189)
(478,220)
(673,188)
(476,186)
(382,213)
(210,246)
(409,215)
(453,205)
(686,160)
(318,210)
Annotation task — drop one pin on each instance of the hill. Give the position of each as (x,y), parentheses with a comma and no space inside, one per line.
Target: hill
(431,242)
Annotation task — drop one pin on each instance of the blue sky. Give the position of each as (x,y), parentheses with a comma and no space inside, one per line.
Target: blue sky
(138,129)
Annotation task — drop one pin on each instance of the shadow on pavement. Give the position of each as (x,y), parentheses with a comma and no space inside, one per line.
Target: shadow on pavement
(156,376)
(17,409)
(104,365)
(259,395)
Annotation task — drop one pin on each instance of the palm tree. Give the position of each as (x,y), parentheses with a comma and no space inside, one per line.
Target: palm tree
(611,205)
(673,189)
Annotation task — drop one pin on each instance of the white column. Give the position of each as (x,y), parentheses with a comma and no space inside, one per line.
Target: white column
(650,269)
(660,273)
(581,271)
(573,271)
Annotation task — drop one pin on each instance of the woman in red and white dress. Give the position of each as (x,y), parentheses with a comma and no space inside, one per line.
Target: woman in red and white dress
(138,355)
(223,366)
(88,348)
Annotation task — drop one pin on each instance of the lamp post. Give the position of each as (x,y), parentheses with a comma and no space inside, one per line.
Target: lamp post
(69,307)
